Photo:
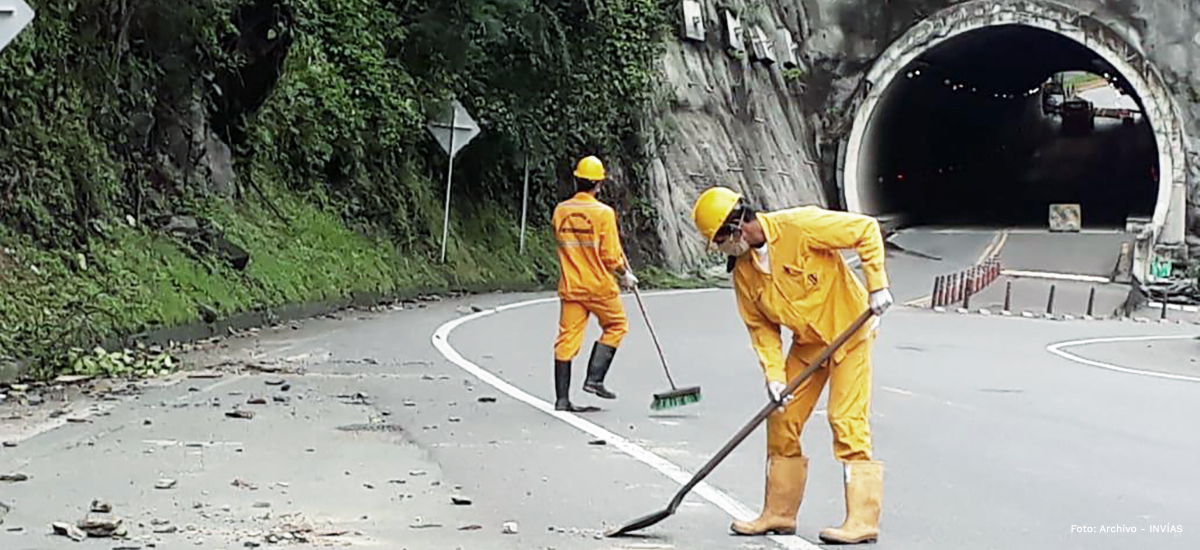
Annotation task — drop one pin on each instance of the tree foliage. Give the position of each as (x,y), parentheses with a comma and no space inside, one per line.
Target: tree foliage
(112,111)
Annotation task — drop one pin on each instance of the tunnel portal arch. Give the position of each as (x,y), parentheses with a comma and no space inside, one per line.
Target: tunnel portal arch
(1158,107)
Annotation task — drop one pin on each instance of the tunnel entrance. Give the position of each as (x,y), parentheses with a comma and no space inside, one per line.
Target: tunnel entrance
(990,123)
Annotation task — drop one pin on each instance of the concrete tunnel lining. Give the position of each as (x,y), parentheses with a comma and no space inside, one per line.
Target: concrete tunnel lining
(1158,106)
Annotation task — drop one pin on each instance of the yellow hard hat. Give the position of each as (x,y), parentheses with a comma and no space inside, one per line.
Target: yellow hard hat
(712,208)
(590,168)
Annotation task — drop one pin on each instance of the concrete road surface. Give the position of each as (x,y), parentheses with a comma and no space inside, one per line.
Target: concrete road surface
(995,432)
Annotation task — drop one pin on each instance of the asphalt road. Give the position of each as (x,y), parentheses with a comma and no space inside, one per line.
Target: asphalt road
(995,432)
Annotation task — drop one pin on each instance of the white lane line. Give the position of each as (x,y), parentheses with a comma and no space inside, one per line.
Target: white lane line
(1175,307)
(1057,349)
(737,510)
(1055,276)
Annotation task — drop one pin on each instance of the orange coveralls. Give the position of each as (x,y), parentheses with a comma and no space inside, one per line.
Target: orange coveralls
(812,291)
(589,250)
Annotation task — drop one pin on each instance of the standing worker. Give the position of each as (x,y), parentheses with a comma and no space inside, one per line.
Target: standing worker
(788,272)
(589,254)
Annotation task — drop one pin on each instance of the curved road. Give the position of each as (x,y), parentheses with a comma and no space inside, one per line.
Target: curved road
(989,439)
(995,432)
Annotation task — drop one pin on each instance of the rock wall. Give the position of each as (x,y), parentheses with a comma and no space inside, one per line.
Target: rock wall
(774,132)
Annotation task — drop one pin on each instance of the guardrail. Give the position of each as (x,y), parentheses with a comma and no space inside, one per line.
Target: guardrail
(959,287)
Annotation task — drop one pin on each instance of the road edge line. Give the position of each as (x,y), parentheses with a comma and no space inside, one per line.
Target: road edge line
(674,472)
(1057,349)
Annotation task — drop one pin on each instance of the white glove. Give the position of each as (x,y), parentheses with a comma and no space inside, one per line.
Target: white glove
(880,301)
(775,391)
(628,280)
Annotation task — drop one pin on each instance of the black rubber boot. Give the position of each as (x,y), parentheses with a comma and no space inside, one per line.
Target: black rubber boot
(562,389)
(602,356)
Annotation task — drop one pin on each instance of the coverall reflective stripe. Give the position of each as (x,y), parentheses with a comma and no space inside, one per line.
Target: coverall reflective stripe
(813,292)
(589,251)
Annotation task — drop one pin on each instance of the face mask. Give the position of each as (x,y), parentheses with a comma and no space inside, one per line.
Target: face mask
(734,247)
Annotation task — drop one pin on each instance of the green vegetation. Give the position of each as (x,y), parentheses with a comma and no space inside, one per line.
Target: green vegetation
(122,119)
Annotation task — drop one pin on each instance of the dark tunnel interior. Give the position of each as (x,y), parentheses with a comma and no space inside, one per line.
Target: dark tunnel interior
(968,135)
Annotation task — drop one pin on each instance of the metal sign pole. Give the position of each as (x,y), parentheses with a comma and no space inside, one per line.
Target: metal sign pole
(449,175)
(524,203)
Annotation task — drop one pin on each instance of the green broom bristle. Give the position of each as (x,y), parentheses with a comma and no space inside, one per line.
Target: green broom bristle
(675,399)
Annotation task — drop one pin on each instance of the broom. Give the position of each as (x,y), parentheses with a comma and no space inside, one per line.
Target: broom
(676,397)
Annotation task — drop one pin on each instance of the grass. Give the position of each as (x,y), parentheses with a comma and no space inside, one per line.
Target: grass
(135,278)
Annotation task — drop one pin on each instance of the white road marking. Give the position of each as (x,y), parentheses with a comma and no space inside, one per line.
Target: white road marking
(1175,307)
(1057,349)
(1055,276)
(896,390)
(737,510)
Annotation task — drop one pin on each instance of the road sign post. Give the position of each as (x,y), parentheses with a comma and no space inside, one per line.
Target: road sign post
(452,134)
(15,15)
(524,203)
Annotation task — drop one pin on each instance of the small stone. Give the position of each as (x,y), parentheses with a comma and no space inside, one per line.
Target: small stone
(256,401)
(247,415)
(262,504)
(166,530)
(159,521)
(472,527)
(100,525)
(147,422)
(486,399)
(15,477)
(281,399)
(274,382)
(165,484)
(10,444)
(419,523)
(597,442)
(410,403)
(460,501)
(417,473)
(510,528)
(454,419)
(427,377)
(251,544)
(368,486)
(101,507)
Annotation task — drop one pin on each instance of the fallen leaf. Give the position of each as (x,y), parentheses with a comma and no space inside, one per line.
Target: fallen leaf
(67,530)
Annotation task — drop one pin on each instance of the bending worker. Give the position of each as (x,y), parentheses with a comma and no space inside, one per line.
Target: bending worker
(787,272)
(589,254)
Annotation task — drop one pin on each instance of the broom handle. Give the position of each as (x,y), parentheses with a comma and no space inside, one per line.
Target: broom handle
(768,409)
(661,356)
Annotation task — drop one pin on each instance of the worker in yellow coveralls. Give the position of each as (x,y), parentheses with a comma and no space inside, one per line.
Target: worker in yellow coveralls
(788,272)
(589,254)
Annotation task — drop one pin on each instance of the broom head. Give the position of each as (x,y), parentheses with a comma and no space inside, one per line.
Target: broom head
(675,398)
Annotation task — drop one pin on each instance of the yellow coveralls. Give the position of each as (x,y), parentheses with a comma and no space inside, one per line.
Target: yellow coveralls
(812,291)
(589,250)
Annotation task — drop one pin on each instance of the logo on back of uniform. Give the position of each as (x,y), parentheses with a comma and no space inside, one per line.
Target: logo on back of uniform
(576,230)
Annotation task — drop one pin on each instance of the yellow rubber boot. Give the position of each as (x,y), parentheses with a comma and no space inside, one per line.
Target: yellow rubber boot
(786,477)
(864,495)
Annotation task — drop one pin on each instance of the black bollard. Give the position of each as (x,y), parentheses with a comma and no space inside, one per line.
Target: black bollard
(1091,301)
(1050,302)
(1164,308)
(1008,296)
